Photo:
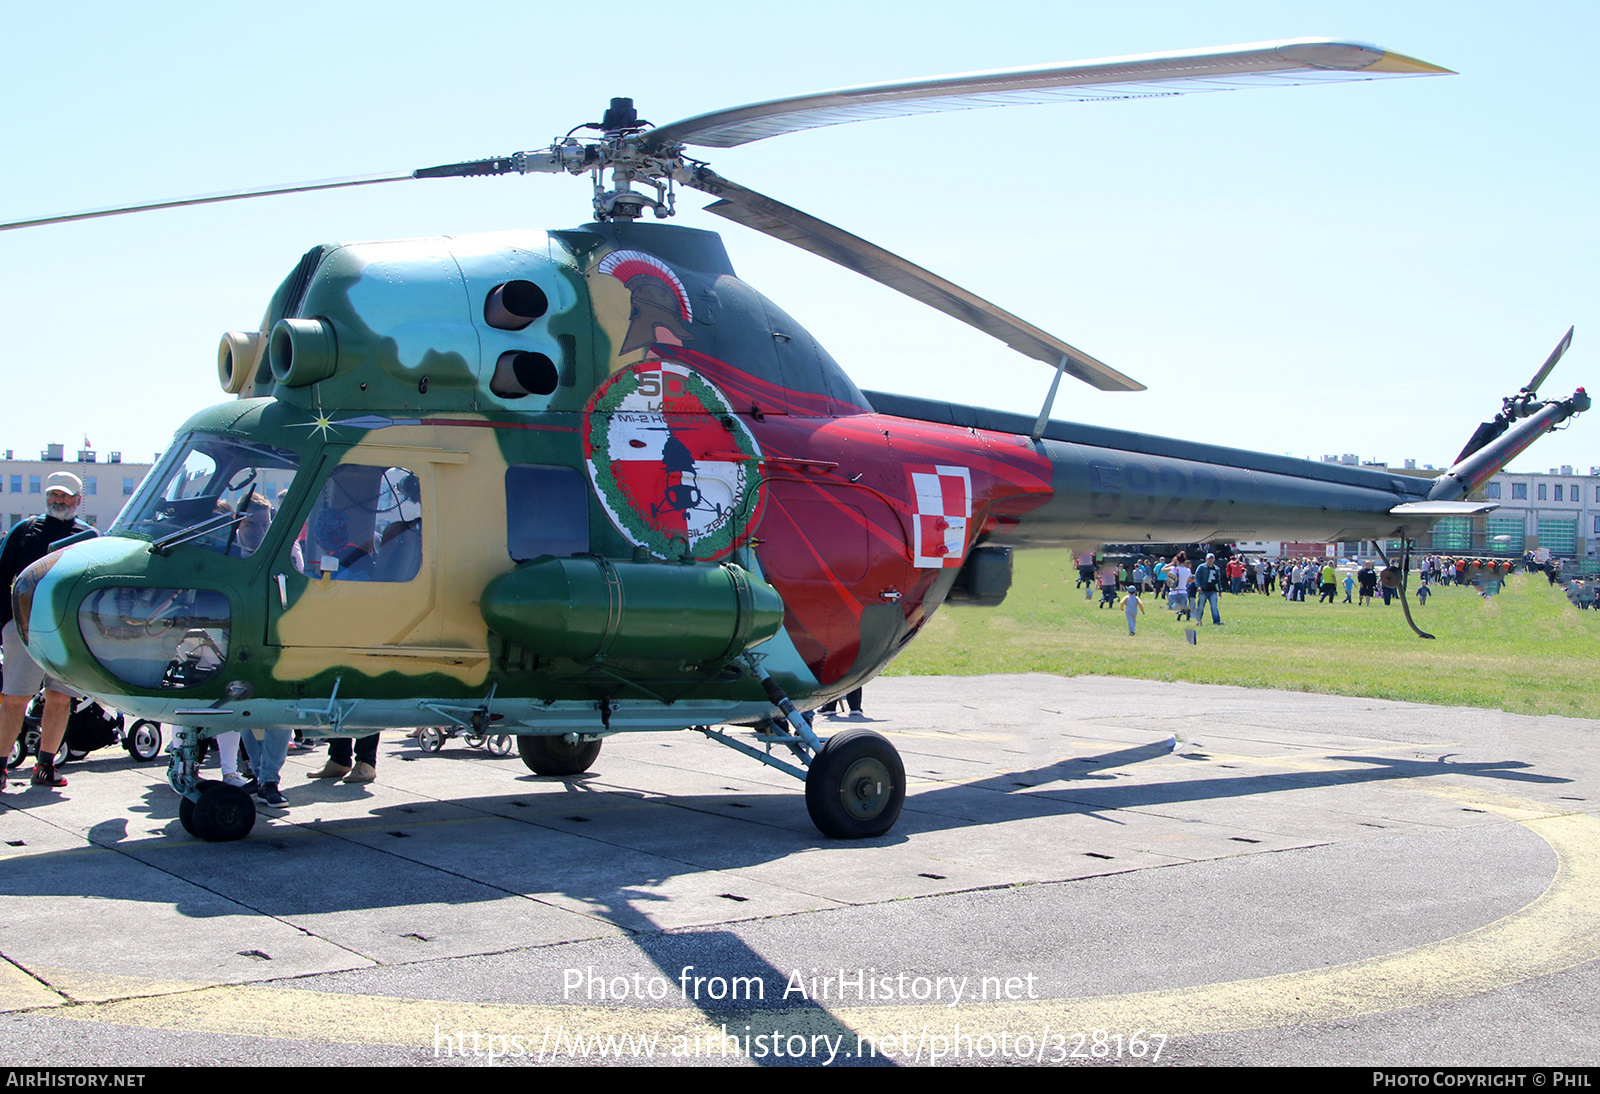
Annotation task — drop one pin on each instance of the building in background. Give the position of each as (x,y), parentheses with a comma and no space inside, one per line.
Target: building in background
(108,483)
(1559,510)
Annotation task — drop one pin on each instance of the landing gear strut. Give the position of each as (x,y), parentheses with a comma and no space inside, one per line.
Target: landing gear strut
(855,781)
(212,811)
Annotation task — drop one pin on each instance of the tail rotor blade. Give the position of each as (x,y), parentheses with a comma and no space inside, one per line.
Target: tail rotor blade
(1521,405)
(1550,362)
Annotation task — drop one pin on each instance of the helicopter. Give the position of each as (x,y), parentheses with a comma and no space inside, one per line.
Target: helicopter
(562,485)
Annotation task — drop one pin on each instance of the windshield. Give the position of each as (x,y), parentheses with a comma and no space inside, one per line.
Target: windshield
(203,483)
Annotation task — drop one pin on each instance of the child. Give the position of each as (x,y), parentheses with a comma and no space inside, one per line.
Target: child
(1422,593)
(1131,605)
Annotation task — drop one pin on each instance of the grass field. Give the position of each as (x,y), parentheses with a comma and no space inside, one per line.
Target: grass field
(1526,650)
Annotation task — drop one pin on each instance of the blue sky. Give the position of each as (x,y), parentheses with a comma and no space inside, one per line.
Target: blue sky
(1353,268)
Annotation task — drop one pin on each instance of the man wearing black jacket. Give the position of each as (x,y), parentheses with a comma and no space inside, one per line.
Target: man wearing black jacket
(27,543)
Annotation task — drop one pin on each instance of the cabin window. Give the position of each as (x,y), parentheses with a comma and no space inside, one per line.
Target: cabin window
(547,512)
(365,525)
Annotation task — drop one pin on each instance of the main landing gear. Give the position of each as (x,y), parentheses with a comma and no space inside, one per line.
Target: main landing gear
(557,755)
(855,781)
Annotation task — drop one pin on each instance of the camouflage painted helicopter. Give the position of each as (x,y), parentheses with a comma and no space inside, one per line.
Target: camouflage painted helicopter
(575,483)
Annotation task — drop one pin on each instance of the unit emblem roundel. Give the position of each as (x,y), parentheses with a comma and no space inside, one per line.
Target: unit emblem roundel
(675,468)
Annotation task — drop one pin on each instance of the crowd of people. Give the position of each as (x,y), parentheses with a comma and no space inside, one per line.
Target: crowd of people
(1186,586)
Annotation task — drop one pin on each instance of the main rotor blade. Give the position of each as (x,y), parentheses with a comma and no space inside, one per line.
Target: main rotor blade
(1226,68)
(497,166)
(745,206)
(206,199)
(1550,362)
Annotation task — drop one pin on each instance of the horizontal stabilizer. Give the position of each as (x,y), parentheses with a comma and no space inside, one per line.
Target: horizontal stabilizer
(1434,510)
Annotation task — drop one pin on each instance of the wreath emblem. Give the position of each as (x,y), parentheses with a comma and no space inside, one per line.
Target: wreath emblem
(674,467)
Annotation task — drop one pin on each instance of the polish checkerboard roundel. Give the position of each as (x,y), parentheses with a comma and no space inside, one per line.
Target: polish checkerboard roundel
(674,467)
(943,507)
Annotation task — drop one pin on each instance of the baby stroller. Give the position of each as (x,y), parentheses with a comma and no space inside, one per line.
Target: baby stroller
(90,726)
(432,739)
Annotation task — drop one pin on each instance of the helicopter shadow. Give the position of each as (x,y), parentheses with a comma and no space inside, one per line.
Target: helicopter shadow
(639,861)
(1093,785)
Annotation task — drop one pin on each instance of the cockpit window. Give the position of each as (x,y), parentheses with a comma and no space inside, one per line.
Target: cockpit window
(213,492)
(365,525)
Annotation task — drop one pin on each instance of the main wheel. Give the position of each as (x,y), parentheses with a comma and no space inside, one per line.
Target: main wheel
(143,740)
(554,756)
(431,739)
(856,786)
(223,813)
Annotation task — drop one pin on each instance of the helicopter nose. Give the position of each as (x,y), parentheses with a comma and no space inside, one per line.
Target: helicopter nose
(92,616)
(39,599)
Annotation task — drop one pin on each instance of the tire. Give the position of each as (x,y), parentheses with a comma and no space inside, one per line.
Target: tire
(856,786)
(63,753)
(186,807)
(143,740)
(223,814)
(19,751)
(431,739)
(474,740)
(500,745)
(554,756)
(186,815)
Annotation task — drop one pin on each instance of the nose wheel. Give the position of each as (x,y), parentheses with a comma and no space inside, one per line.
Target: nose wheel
(855,786)
(223,814)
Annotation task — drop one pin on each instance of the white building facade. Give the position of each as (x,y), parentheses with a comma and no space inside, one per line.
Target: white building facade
(1559,510)
(108,483)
